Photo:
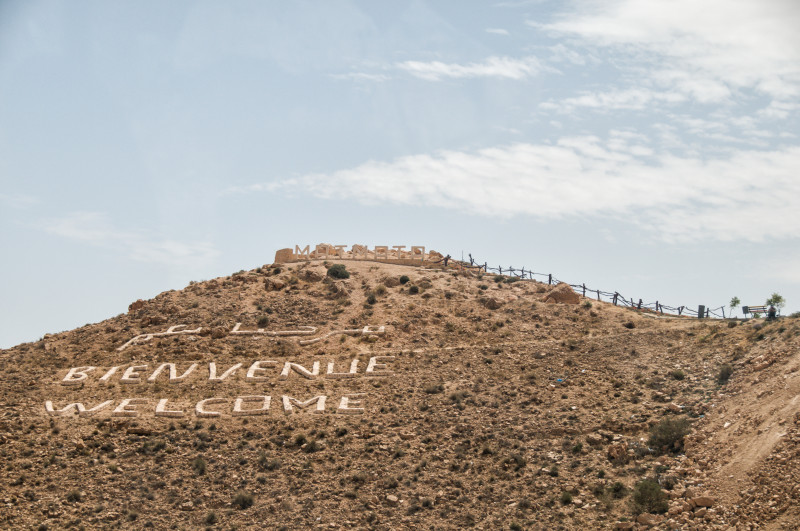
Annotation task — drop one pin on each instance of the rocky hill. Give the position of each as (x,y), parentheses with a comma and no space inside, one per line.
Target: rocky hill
(400,397)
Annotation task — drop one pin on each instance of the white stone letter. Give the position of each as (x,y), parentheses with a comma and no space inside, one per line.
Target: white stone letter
(351,374)
(162,411)
(77,406)
(212,372)
(107,376)
(376,368)
(200,411)
(76,375)
(348,405)
(299,369)
(288,401)
(261,410)
(131,374)
(257,366)
(127,408)
(173,372)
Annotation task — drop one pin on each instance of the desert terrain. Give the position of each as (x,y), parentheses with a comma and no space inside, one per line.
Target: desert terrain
(400,397)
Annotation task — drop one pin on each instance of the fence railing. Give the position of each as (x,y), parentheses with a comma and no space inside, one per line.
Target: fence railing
(607,296)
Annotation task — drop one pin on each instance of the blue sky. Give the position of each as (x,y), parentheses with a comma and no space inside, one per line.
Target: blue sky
(643,146)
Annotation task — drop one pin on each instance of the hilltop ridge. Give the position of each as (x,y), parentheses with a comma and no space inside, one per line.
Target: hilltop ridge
(402,396)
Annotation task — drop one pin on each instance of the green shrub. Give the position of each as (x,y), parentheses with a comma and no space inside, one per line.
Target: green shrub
(243,500)
(211,518)
(649,498)
(413,290)
(371,299)
(338,271)
(74,496)
(668,432)
(199,466)
(404,279)
(724,374)
(566,498)
(499,278)
(263,321)
(678,374)
(618,490)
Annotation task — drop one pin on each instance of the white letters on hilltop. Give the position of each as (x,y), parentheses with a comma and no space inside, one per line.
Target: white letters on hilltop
(259,371)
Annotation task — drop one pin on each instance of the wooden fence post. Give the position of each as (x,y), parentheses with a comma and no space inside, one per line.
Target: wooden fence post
(584,289)
(598,294)
(615,298)
(640,304)
(550,278)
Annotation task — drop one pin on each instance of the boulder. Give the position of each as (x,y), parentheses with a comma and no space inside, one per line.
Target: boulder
(137,305)
(492,303)
(562,294)
(594,439)
(310,275)
(618,452)
(648,519)
(273,284)
(703,501)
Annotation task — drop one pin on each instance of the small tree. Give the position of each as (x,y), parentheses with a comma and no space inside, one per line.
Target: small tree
(735,302)
(776,300)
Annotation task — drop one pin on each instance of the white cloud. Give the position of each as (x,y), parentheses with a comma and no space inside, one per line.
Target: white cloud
(362,76)
(19,201)
(709,47)
(627,99)
(94,228)
(749,195)
(497,31)
(497,67)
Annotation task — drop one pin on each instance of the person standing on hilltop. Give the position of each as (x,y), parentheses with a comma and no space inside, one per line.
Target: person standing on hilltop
(771,313)
(446,259)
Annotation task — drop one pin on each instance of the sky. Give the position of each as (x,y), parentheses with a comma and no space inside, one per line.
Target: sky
(648,147)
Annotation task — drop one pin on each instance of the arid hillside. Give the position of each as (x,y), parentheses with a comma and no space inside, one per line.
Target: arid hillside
(400,397)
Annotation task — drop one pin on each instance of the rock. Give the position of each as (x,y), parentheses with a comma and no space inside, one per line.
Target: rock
(187,506)
(624,525)
(700,512)
(339,289)
(563,294)
(675,408)
(703,501)
(136,305)
(218,333)
(594,439)
(309,275)
(492,303)
(648,519)
(392,500)
(273,284)
(618,452)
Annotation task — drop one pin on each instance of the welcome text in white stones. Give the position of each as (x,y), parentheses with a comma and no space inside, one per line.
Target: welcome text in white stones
(256,371)
(241,406)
